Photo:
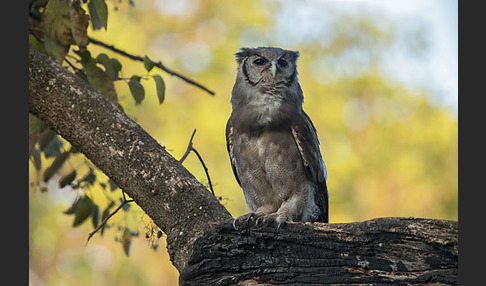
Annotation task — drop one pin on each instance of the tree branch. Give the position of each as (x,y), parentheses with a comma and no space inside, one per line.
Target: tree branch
(190,148)
(382,251)
(90,235)
(158,64)
(168,193)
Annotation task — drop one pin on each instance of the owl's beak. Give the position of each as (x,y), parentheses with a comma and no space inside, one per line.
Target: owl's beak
(273,69)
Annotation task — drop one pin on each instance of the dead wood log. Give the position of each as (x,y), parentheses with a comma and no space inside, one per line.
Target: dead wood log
(382,251)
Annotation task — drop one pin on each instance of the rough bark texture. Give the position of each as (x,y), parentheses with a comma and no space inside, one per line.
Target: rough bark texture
(384,251)
(170,195)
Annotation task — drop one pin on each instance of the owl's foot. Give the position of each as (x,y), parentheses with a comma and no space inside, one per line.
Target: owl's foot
(273,218)
(243,220)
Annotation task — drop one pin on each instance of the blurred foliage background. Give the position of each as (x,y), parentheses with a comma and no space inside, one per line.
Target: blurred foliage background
(391,146)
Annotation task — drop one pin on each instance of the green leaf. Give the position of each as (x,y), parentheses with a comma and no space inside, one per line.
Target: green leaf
(83,210)
(100,80)
(148,64)
(105,214)
(126,241)
(136,88)
(113,185)
(117,66)
(67,179)
(85,56)
(112,66)
(95,213)
(36,156)
(99,14)
(57,29)
(49,143)
(160,88)
(103,59)
(73,207)
(56,165)
(90,178)
(79,25)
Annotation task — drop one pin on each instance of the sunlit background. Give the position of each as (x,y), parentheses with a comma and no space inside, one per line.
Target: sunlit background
(380,82)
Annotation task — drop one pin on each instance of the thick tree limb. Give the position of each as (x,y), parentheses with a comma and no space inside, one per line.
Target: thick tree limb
(384,251)
(169,194)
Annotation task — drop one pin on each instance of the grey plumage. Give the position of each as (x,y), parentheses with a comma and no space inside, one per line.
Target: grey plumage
(272,143)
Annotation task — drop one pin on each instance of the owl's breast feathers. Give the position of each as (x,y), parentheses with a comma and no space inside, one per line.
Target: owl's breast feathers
(277,157)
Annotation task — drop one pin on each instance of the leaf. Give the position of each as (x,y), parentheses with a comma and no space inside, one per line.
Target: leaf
(85,56)
(95,213)
(49,143)
(83,210)
(106,211)
(90,178)
(81,75)
(99,14)
(136,88)
(113,185)
(112,66)
(126,241)
(105,214)
(79,25)
(148,64)
(100,80)
(116,64)
(67,179)
(45,137)
(126,207)
(57,29)
(73,207)
(56,165)
(36,156)
(160,88)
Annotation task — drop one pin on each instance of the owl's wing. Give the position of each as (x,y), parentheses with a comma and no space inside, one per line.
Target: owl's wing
(229,146)
(305,137)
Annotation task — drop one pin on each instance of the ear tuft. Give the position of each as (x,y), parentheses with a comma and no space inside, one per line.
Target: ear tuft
(295,55)
(243,53)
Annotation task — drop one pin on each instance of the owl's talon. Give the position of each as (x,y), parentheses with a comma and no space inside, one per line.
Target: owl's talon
(257,222)
(250,215)
(245,219)
(279,225)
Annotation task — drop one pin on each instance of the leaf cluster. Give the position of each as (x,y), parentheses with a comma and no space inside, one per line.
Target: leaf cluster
(56,26)
(59,28)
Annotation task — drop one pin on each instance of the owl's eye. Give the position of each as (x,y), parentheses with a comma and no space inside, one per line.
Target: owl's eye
(260,61)
(282,63)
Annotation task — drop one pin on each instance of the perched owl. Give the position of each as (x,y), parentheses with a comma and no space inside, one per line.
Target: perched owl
(272,143)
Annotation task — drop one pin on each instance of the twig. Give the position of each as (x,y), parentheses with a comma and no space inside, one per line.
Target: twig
(190,148)
(125,201)
(205,170)
(157,64)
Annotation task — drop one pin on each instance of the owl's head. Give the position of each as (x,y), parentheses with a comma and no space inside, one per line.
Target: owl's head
(267,65)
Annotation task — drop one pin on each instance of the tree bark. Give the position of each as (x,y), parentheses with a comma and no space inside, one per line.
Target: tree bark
(168,193)
(383,251)
(201,242)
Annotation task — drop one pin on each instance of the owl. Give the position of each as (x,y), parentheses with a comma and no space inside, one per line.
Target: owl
(272,143)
